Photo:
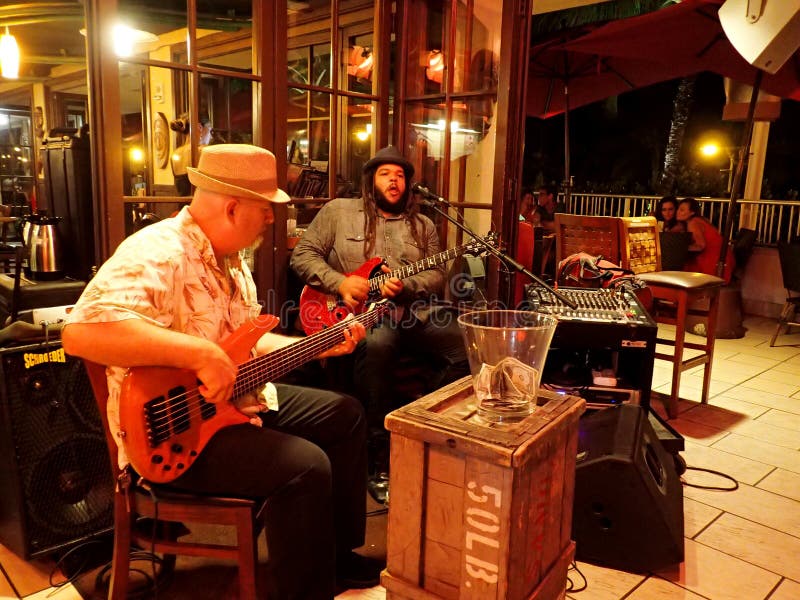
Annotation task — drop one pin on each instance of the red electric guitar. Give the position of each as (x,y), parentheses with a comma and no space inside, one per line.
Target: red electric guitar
(164,420)
(319,310)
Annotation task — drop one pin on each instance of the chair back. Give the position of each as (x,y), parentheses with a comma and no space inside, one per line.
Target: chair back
(743,245)
(674,249)
(523,252)
(640,246)
(97,377)
(789,254)
(593,235)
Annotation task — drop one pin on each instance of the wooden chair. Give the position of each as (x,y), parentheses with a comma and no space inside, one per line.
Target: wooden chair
(523,252)
(138,499)
(676,296)
(790,270)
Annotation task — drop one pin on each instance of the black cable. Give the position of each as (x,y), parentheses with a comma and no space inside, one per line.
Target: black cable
(78,570)
(147,589)
(570,585)
(711,487)
(377,511)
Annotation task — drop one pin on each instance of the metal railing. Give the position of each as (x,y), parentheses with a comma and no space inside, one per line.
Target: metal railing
(776,220)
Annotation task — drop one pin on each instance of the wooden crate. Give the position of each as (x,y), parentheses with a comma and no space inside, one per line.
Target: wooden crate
(480,512)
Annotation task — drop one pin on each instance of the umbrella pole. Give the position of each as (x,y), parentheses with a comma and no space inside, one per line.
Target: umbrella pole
(567,185)
(744,151)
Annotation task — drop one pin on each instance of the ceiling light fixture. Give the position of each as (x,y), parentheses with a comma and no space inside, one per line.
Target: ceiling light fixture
(127,38)
(9,56)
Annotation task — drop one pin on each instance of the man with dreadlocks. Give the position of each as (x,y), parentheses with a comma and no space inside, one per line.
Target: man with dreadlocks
(384,222)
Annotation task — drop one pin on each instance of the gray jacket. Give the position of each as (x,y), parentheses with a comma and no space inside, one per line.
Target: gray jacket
(334,243)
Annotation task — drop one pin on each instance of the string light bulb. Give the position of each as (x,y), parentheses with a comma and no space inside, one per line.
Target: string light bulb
(9,56)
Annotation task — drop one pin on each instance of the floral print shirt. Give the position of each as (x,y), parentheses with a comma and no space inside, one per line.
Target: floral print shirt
(166,274)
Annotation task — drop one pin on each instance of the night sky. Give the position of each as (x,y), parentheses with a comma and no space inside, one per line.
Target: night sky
(618,145)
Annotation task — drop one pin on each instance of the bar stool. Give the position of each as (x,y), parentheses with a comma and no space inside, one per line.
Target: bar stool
(686,294)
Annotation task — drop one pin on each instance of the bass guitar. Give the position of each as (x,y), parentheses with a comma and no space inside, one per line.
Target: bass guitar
(164,420)
(319,310)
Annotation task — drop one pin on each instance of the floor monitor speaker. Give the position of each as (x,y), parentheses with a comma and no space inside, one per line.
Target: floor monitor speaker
(628,510)
(54,467)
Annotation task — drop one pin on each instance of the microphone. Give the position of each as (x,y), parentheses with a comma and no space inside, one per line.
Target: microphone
(420,189)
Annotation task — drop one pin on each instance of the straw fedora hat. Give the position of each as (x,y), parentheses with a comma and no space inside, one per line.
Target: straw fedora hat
(239,170)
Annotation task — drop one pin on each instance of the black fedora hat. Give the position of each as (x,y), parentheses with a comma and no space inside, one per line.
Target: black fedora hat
(389,156)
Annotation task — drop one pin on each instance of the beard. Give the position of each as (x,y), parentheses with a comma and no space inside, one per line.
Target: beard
(393,209)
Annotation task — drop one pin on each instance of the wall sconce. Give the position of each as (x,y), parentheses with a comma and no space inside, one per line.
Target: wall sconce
(434,69)
(9,56)
(136,155)
(360,62)
(363,134)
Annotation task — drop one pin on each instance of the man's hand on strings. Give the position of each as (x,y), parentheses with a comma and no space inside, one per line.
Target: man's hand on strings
(352,335)
(392,286)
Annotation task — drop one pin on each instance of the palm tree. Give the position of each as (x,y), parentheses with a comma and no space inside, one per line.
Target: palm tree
(680,115)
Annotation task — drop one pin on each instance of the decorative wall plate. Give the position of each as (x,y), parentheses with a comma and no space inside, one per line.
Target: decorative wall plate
(161,140)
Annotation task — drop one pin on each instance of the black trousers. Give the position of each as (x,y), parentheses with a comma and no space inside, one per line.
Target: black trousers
(437,338)
(309,461)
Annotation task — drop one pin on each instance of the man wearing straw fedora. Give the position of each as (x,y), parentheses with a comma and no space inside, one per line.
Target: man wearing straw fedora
(384,222)
(169,294)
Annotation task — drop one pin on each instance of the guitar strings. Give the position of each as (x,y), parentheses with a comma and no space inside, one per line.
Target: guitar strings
(409,270)
(250,372)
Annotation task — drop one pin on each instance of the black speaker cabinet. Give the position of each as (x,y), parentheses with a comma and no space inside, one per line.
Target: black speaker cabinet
(68,176)
(55,474)
(628,510)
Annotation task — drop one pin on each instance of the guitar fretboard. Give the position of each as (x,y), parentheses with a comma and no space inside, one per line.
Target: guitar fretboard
(269,367)
(421,265)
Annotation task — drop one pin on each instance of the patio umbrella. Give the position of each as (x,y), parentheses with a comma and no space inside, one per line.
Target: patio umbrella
(560,80)
(688,33)
(691,32)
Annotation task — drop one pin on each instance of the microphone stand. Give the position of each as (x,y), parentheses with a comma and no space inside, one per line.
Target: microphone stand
(502,256)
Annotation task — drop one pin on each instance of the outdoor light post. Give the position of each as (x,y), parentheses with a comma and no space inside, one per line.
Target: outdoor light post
(712,149)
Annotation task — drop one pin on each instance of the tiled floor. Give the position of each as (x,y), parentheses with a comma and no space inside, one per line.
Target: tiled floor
(741,545)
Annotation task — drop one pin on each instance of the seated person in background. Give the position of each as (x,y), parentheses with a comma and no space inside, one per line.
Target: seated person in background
(527,205)
(666,211)
(384,222)
(168,296)
(182,157)
(547,207)
(706,241)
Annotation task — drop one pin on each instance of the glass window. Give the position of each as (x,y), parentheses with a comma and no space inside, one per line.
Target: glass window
(322,149)
(426,66)
(356,127)
(226,110)
(454,122)
(477,46)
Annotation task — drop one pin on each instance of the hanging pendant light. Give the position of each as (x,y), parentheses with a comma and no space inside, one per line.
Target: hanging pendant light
(9,56)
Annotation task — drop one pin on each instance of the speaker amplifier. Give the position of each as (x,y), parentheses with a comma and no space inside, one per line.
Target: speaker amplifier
(628,510)
(765,32)
(55,471)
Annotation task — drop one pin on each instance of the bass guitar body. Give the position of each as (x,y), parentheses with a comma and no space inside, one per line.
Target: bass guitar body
(319,310)
(164,420)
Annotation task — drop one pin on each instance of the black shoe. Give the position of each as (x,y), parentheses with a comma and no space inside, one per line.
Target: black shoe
(355,572)
(378,488)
